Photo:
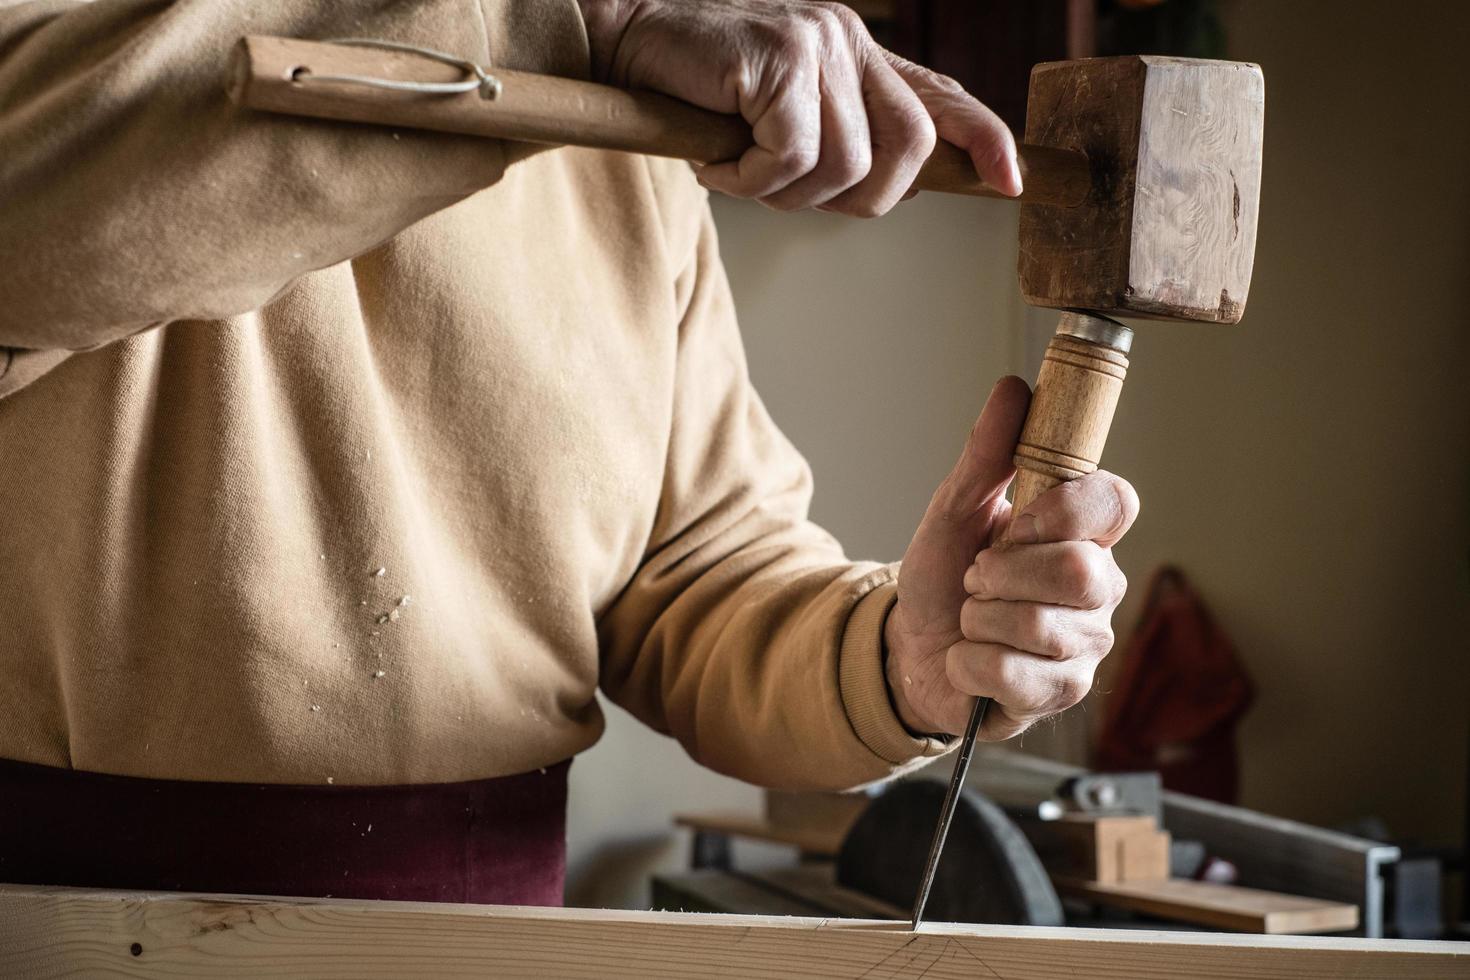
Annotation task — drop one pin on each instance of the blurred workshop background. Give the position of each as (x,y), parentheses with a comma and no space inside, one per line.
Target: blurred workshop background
(1309,469)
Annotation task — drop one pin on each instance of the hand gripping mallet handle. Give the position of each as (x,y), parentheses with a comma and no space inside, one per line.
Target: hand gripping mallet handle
(305,78)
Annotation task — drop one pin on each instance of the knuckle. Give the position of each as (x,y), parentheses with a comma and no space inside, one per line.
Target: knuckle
(971,618)
(918,131)
(1120,583)
(833,18)
(1009,682)
(1035,626)
(853,164)
(1078,578)
(846,16)
(1071,687)
(975,583)
(943,83)
(797,42)
(798,158)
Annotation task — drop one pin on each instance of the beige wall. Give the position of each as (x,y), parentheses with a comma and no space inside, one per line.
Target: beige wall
(1309,468)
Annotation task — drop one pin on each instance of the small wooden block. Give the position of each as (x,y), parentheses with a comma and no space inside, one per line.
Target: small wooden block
(1144,857)
(1218,906)
(1169,229)
(1101,848)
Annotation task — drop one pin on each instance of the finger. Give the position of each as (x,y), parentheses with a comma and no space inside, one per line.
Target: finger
(1054,632)
(984,467)
(902,138)
(846,151)
(1080,574)
(1023,685)
(787,132)
(1098,507)
(961,119)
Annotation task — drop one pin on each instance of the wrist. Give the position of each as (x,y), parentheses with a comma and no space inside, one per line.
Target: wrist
(896,664)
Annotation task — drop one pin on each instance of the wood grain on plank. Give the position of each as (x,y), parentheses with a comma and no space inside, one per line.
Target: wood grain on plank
(1219,906)
(63,932)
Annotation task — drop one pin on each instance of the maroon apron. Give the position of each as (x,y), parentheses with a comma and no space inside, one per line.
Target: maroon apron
(494,841)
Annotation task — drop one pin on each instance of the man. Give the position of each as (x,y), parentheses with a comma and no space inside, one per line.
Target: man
(342,466)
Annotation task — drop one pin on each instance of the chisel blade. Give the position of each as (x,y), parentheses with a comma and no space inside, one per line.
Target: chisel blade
(946,812)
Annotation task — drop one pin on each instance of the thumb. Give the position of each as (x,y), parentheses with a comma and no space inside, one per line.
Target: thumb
(985,466)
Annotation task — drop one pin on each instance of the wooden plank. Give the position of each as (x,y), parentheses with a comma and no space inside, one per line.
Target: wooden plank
(53,932)
(1273,852)
(1219,906)
(810,840)
(816,884)
(709,890)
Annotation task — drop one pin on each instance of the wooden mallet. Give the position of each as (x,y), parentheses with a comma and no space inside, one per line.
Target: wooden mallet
(1141,174)
(1142,177)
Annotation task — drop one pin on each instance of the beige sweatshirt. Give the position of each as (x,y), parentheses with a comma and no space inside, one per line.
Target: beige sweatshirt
(334,452)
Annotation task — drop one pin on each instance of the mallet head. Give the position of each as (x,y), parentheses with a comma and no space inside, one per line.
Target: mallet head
(1169,227)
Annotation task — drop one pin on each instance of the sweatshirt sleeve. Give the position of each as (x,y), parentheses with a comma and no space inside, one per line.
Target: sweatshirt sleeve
(746,634)
(133,192)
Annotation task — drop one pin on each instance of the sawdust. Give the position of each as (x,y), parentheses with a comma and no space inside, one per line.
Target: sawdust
(379,573)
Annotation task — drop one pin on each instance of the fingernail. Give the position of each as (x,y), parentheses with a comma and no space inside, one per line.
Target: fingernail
(1024,529)
(1016,174)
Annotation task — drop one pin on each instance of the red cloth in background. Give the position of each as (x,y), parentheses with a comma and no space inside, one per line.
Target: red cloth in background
(1178,697)
(496,841)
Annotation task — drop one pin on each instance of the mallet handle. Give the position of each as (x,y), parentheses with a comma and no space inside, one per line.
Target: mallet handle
(273,74)
(1071,411)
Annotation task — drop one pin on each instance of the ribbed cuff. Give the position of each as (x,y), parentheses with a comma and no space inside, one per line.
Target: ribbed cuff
(864,686)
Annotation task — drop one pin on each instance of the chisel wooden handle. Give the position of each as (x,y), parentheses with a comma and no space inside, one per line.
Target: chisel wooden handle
(1072,407)
(276,75)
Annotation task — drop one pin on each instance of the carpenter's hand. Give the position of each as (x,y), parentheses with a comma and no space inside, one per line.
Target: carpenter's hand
(840,124)
(1020,615)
